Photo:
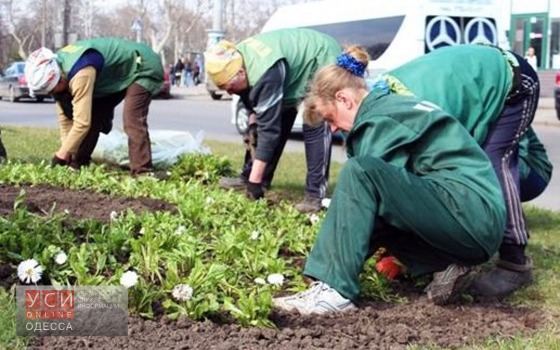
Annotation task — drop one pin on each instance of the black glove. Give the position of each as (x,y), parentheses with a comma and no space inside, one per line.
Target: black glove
(57,161)
(255,190)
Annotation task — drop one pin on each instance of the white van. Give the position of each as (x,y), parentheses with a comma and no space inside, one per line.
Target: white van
(394,31)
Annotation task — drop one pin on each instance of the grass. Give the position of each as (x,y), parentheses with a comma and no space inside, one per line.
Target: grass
(8,338)
(37,144)
(34,145)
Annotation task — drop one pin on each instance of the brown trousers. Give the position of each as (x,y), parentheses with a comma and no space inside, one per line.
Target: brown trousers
(135,120)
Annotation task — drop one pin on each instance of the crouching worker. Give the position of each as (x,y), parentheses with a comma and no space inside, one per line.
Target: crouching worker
(495,97)
(88,79)
(415,182)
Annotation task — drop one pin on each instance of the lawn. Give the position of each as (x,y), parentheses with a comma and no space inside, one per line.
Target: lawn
(224,247)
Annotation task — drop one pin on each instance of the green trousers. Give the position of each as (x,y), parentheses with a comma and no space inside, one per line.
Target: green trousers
(378,204)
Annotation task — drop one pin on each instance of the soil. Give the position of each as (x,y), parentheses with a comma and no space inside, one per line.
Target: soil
(374,325)
(42,199)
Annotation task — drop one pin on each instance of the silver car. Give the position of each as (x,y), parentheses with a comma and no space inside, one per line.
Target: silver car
(13,85)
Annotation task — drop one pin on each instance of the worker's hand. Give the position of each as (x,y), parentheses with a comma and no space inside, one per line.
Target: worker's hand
(59,162)
(255,190)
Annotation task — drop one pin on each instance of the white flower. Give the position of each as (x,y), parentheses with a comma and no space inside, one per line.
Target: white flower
(210,200)
(129,279)
(142,231)
(60,258)
(314,218)
(276,279)
(180,230)
(182,292)
(255,235)
(326,202)
(29,271)
(260,280)
(66,212)
(113,216)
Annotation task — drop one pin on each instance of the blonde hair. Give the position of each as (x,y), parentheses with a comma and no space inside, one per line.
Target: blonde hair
(330,79)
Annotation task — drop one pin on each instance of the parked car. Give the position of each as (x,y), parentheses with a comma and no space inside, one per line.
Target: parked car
(165,91)
(239,118)
(13,85)
(557,95)
(215,92)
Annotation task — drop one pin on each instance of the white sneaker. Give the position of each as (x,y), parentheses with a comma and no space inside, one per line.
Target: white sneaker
(320,298)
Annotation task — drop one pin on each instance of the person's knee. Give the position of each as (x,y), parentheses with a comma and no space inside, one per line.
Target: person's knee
(360,166)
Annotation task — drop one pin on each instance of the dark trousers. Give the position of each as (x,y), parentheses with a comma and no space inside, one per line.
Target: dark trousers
(318,145)
(502,145)
(135,120)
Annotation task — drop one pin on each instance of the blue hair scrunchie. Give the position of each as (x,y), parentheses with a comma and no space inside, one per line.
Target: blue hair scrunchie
(351,64)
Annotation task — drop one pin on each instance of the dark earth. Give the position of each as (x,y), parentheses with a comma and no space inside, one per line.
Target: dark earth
(375,325)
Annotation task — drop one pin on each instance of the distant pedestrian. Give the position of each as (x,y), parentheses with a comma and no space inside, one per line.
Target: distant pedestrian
(200,62)
(196,74)
(179,66)
(531,58)
(187,72)
(171,74)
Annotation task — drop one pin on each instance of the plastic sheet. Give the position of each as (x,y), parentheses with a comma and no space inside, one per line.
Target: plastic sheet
(167,147)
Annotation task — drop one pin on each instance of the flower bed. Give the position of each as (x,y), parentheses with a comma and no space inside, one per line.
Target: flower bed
(201,264)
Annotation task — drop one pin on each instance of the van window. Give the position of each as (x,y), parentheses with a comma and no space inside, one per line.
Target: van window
(375,35)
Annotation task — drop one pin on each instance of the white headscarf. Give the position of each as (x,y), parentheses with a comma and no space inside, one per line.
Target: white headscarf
(41,70)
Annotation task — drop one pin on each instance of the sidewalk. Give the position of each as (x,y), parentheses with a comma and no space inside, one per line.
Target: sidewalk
(546,114)
(182,92)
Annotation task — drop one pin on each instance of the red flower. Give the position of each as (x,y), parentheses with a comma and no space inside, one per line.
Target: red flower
(389,266)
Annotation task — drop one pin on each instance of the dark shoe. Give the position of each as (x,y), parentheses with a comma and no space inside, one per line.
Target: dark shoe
(503,279)
(448,284)
(309,205)
(233,183)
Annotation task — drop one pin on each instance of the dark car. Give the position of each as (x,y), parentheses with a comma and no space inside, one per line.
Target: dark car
(13,85)
(557,95)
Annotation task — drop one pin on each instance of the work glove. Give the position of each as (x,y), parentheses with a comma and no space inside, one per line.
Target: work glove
(254,190)
(59,162)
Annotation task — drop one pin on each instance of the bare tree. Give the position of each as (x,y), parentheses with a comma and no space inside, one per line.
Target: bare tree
(183,23)
(20,28)
(173,28)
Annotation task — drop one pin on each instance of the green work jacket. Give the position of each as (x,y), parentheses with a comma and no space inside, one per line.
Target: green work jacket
(471,82)
(427,142)
(304,51)
(125,63)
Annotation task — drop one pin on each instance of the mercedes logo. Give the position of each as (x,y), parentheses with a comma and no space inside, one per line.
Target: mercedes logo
(442,31)
(481,30)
